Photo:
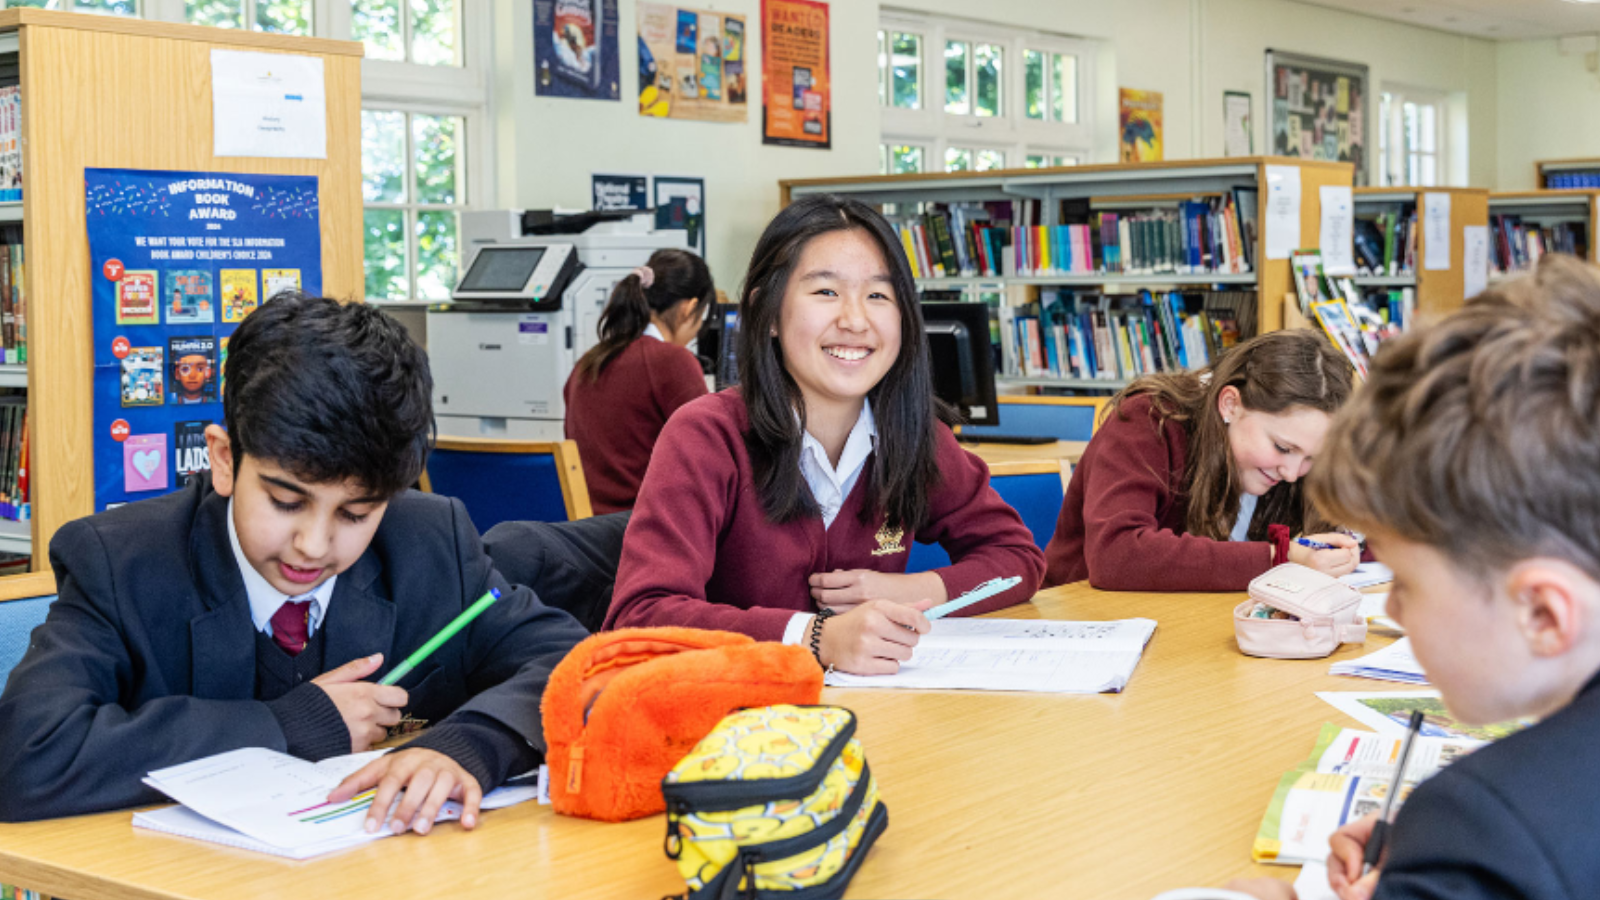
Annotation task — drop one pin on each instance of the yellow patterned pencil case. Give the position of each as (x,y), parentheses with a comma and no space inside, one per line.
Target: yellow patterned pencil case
(776,802)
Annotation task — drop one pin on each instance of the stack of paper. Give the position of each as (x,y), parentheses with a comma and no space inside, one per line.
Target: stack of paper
(1368,574)
(1018,655)
(271,802)
(1374,608)
(1347,776)
(1392,663)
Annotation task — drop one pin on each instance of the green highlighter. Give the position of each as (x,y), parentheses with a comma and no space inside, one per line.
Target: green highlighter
(445,634)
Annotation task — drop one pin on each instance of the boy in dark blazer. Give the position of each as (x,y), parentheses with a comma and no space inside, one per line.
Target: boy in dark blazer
(256,607)
(1471,461)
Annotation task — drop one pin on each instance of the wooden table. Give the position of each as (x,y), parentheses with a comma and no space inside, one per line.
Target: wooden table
(989,795)
(1070,451)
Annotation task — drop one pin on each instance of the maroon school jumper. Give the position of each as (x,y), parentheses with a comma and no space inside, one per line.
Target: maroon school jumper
(617,417)
(1122,522)
(700,552)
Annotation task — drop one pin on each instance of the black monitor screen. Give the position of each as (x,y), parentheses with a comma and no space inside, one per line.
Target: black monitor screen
(502,269)
(963,359)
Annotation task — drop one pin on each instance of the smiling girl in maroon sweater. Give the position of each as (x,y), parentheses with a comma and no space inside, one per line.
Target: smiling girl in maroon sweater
(1192,482)
(785,509)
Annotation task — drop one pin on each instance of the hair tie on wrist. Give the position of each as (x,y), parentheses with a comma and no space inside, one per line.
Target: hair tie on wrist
(647,276)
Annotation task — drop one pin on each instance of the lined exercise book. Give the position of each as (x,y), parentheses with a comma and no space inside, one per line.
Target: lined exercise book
(270,802)
(1018,655)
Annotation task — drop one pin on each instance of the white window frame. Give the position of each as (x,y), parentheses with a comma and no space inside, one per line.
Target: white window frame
(1012,132)
(1392,154)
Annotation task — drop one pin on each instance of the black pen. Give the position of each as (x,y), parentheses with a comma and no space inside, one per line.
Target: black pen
(1380,828)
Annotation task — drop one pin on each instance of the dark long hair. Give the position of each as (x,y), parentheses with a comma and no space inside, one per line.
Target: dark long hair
(679,275)
(1272,373)
(903,404)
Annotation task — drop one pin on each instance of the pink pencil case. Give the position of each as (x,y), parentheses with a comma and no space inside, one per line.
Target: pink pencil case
(1327,613)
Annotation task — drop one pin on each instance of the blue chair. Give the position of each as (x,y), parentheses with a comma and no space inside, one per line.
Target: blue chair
(18,619)
(1063,418)
(510,481)
(1033,489)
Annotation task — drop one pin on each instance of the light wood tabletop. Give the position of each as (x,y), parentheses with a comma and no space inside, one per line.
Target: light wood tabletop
(1070,451)
(990,795)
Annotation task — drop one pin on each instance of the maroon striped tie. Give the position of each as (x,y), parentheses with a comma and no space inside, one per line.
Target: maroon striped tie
(290,626)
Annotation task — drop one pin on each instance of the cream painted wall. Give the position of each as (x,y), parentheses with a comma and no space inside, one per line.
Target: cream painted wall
(1550,109)
(1190,50)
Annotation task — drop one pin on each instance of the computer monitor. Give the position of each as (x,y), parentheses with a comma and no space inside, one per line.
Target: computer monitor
(963,359)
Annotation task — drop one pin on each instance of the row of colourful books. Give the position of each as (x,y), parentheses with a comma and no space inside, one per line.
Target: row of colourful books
(1119,337)
(10,144)
(1518,244)
(1386,244)
(14,503)
(1571,180)
(13,309)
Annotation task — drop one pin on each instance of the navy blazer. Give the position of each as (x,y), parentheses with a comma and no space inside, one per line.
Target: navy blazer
(147,658)
(1518,818)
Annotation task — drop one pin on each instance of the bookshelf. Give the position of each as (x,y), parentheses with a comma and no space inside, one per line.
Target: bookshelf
(1567,174)
(1546,209)
(1438,291)
(79,72)
(1108,188)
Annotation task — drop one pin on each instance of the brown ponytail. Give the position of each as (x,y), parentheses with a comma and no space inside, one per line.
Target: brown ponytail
(678,275)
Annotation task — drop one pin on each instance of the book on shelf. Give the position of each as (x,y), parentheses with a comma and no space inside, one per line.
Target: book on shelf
(1104,337)
(14,503)
(1516,244)
(1585,180)
(1386,243)
(1204,236)
(13,317)
(10,144)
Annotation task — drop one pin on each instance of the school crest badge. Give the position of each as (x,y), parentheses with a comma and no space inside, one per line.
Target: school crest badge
(889,541)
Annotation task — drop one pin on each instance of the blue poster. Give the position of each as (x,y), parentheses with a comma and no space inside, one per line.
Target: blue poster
(177,260)
(575,49)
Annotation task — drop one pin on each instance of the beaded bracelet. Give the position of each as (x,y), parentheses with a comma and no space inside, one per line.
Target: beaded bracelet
(816,634)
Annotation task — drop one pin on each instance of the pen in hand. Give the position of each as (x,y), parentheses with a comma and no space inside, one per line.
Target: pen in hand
(1380,828)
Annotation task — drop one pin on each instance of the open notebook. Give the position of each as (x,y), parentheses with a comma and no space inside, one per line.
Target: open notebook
(262,800)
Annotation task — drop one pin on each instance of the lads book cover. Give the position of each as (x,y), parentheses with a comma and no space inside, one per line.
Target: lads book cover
(189,448)
(143,376)
(136,299)
(194,364)
(188,297)
(238,294)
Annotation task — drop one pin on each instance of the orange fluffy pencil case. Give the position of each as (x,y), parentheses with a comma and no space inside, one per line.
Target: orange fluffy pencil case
(625,706)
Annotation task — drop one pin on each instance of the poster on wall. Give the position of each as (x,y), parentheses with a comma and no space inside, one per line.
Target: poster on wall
(1238,125)
(177,260)
(613,192)
(796,109)
(1139,120)
(691,64)
(575,49)
(1319,109)
(681,206)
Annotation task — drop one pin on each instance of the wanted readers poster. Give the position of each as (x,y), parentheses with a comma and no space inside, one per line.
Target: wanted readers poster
(177,261)
(796,110)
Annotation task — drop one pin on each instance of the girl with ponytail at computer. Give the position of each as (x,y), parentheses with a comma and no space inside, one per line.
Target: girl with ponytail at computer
(785,509)
(623,391)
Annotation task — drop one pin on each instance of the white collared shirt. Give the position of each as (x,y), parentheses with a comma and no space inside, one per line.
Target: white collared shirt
(1247,511)
(652,331)
(831,484)
(266,599)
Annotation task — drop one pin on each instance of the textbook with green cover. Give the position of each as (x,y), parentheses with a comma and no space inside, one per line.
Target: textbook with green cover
(1346,777)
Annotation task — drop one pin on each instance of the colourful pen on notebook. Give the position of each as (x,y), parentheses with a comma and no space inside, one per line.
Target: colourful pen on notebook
(1315,545)
(1380,828)
(981,592)
(445,634)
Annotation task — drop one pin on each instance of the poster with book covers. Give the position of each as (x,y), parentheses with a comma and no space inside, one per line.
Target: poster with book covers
(685,67)
(797,104)
(575,49)
(1139,119)
(177,261)
(1318,109)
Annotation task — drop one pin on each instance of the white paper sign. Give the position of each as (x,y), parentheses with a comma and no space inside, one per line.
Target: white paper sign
(1436,230)
(1236,125)
(1475,276)
(268,104)
(1338,230)
(1283,211)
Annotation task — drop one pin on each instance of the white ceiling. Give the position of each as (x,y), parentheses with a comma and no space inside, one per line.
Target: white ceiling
(1504,20)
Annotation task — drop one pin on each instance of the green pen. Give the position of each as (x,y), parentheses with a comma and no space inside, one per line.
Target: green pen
(445,634)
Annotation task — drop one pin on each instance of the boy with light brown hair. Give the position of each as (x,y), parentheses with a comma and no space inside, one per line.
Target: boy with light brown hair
(1471,459)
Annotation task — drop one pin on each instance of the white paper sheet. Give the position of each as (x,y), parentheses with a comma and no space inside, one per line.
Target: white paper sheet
(1018,655)
(1368,574)
(1338,230)
(268,104)
(1475,252)
(1389,712)
(1283,211)
(1393,663)
(1312,883)
(1436,230)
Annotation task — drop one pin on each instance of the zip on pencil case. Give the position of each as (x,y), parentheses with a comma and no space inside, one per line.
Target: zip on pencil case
(1327,613)
(776,802)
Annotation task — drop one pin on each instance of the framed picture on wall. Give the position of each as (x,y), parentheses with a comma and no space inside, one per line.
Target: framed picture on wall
(1318,109)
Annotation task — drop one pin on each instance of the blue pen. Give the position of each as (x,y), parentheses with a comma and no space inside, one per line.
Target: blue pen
(1315,545)
(981,592)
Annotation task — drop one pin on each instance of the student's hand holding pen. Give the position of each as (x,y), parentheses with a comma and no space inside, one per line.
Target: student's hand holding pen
(368,709)
(1347,852)
(874,637)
